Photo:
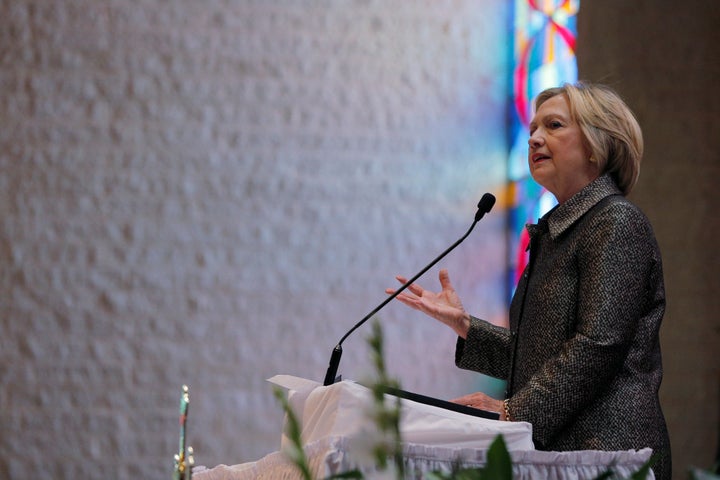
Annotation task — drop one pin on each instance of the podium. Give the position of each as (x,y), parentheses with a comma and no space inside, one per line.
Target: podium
(341,410)
(337,436)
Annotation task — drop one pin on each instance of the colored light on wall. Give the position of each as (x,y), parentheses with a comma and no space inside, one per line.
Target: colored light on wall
(544,57)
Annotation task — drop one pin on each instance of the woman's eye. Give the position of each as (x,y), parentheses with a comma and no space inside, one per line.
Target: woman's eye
(555,124)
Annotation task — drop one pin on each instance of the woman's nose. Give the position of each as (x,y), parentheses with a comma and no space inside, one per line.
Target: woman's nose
(535,140)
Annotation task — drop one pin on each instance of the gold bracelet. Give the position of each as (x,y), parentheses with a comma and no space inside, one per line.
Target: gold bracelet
(507,410)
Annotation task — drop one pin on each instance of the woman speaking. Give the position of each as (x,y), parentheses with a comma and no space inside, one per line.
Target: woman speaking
(582,354)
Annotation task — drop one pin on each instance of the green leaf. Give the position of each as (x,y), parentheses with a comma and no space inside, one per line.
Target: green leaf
(295,450)
(645,469)
(437,476)
(499,463)
(470,474)
(348,474)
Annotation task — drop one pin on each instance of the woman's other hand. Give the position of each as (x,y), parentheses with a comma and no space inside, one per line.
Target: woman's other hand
(483,402)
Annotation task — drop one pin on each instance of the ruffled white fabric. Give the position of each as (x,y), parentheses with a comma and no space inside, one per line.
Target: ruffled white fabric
(339,438)
(333,455)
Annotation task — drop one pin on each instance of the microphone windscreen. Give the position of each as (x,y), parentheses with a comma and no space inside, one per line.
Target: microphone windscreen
(485,205)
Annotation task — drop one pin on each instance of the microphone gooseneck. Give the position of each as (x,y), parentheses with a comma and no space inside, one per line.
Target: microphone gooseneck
(484,206)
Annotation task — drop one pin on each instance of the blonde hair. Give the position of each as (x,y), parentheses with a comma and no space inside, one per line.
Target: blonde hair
(609,129)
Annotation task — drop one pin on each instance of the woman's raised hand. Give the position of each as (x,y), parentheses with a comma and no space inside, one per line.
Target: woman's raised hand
(444,306)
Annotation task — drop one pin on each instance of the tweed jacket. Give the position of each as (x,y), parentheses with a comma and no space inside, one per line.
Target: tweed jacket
(582,355)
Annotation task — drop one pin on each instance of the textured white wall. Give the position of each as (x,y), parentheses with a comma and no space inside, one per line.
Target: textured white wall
(212,193)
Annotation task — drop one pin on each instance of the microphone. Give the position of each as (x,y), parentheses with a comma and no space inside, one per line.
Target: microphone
(484,206)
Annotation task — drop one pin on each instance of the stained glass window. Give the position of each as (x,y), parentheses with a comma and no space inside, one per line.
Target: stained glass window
(544,57)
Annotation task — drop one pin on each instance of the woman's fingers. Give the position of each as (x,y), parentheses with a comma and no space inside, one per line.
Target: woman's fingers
(480,400)
(445,279)
(410,301)
(413,287)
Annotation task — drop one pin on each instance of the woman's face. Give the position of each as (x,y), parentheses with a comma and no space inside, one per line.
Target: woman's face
(557,158)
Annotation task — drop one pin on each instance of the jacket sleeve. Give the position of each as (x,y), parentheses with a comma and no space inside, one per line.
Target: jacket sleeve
(486,349)
(618,263)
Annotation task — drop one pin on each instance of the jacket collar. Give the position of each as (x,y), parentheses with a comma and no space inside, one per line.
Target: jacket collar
(560,218)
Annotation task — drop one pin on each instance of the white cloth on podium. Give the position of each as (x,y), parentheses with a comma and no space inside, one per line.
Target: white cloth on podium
(341,410)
